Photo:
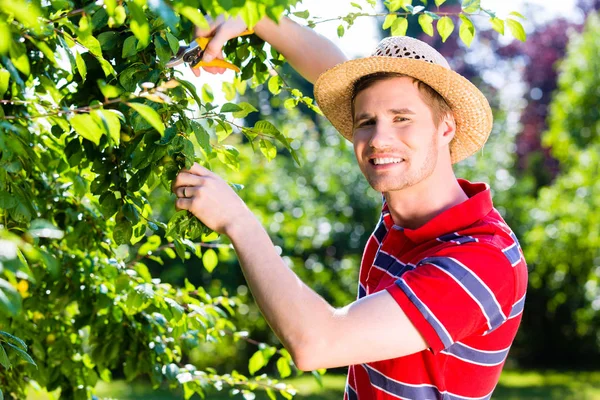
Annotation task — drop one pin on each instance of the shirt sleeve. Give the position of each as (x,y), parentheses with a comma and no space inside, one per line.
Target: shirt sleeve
(459,291)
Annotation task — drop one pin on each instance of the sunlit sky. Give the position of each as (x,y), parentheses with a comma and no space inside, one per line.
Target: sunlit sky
(361,38)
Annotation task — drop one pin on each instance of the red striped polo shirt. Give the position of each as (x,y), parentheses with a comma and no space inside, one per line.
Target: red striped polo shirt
(461,279)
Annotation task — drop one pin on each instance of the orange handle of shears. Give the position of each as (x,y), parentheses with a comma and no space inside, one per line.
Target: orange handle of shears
(203,42)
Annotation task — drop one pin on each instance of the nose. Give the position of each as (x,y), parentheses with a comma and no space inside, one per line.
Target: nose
(381,137)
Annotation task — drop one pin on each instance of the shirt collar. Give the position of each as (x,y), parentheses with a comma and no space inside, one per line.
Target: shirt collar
(462,215)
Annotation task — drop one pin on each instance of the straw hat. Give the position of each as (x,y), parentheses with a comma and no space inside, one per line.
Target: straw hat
(412,57)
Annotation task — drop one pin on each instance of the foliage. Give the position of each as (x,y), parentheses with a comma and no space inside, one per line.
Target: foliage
(402,14)
(92,123)
(563,240)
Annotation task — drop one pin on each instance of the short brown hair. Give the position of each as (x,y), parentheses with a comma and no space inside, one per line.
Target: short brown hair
(437,104)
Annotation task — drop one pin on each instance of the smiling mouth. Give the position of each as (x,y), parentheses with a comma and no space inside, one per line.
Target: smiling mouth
(385,161)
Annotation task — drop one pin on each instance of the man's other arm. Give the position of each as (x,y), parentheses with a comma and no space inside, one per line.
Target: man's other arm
(308,52)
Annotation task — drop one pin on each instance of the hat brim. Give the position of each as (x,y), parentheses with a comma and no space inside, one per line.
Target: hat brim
(471,110)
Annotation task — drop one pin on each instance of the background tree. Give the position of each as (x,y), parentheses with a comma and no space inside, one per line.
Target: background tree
(562,239)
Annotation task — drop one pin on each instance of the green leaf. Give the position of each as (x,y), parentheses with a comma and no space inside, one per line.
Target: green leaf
(163,51)
(139,24)
(466,30)
(283,366)
(4,78)
(229,156)
(516,29)
(179,249)
(149,115)
(194,15)
(498,25)
(229,90)
(7,200)
(517,14)
(394,5)
(268,149)
(111,124)
(5,37)
(257,361)
(432,15)
(122,232)
(207,93)
(22,354)
(210,260)
(275,84)
(129,47)
(109,91)
(266,128)
(173,43)
(191,89)
(340,30)
(426,23)
(120,15)
(10,300)
(85,126)
(471,6)
(445,27)
(4,359)
(439,2)
(25,12)
(399,26)
(389,19)
(81,67)
(302,14)
(247,108)
(43,47)
(202,137)
(92,44)
(18,56)
(164,11)
(318,378)
(230,107)
(223,130)
(7,337)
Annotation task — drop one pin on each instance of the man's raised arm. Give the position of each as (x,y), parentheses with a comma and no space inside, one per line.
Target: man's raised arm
(308,52)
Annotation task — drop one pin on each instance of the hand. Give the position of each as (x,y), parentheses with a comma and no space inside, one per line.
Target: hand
(222,30)
(209,198)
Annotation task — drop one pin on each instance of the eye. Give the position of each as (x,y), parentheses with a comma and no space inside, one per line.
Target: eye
(365,123)
(401,119)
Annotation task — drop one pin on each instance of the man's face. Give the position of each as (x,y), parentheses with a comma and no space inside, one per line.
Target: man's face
(395,138)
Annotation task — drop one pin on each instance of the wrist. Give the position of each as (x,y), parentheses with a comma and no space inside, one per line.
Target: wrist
(266,25)
(241,226)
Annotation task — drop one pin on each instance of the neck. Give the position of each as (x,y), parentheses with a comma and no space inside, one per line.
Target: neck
(414,206)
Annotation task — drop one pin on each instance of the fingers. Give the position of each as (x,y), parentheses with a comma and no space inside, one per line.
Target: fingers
(199,170)
(187,192)
(187,181)
(214,48)
(183,204)
(212,25)
(194,177)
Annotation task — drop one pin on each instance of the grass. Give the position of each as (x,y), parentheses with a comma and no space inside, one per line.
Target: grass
(513,385)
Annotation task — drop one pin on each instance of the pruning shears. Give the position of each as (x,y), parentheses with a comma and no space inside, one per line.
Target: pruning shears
(192,55)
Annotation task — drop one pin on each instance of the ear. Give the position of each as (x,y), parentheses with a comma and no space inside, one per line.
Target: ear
(447,129)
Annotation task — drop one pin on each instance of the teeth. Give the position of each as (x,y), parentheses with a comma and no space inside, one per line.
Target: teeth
(379,161)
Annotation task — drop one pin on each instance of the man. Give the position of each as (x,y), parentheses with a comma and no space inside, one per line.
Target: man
(442,279)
